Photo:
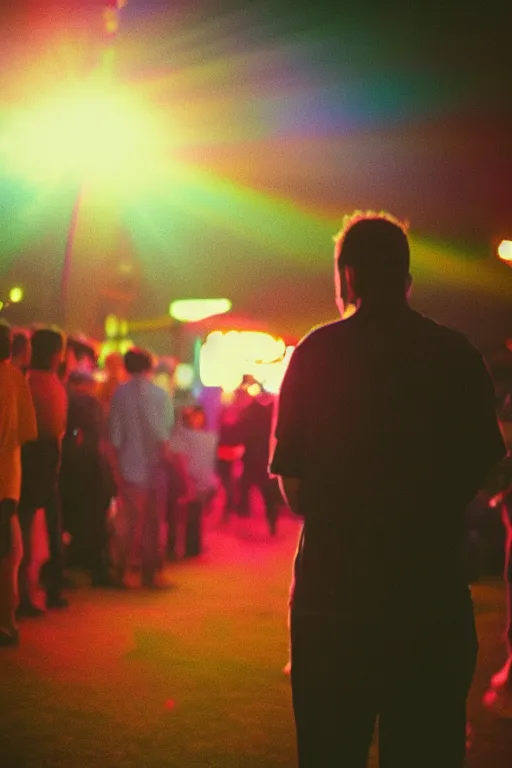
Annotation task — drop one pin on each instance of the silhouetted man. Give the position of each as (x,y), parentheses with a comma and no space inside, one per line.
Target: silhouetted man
(386,430)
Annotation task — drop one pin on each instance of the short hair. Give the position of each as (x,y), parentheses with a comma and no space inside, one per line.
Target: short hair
(137,361)
(19,344)
(376,247)
(46,343)
(5,340)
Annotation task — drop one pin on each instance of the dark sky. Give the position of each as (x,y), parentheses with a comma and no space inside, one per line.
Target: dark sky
(401,107)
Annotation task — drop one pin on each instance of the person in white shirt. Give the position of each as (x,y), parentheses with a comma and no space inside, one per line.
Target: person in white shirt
(198,447)
(141,419)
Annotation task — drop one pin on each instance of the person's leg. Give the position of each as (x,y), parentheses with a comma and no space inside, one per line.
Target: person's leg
(225,474)
(152,511)
(9,565)
(193,543)
(335,692)
(428,675)
(128,526)
(54,569)
(172,524)
(28,576)
(246,483)
(272,497)
(97,542)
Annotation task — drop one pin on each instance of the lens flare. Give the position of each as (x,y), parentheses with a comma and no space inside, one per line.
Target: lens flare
(92,131)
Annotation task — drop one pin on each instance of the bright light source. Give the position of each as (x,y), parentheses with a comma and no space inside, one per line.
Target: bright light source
(184,376)
(226,357)
(16,295)
(194,310)
(93,130)
(505,250)
(111,326)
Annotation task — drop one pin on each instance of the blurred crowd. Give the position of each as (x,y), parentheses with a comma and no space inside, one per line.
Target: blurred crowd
(117,472)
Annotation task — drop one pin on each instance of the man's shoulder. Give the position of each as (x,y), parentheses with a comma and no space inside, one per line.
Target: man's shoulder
(322,335)
(156,393)
(121,392)
(12,380)
(451,341)
(17,377)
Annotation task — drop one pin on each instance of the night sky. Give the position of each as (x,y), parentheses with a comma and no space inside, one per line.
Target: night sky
(279,118)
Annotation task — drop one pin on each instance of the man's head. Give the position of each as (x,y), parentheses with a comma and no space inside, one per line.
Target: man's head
(137,361)
(21,349)
(47,349)
(5,341)
(372,259)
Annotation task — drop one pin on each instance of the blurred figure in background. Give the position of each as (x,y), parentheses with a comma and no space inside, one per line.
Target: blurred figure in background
(17,426)
(229,453)
(86,482)
(41,462)
(141,418)
(197,445)
(115,374)
(499,695)
(254,430)
(21,351)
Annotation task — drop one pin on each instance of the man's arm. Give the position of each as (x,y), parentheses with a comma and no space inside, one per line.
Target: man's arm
(287,458)
(290,487)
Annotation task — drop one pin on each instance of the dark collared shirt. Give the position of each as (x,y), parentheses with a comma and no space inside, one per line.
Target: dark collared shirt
(389,421)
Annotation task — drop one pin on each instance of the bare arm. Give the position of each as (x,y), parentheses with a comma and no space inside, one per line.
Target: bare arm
(290,487)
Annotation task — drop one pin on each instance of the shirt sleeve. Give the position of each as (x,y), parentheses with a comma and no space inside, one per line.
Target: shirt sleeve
(287,459)
(27,425)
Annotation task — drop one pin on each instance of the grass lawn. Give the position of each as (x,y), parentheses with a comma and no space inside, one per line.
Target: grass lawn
(190,677)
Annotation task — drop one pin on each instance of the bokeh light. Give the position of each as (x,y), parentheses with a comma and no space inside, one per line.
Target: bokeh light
(195,310)
(505,250)
(91,131)
(16,295)
(225,358)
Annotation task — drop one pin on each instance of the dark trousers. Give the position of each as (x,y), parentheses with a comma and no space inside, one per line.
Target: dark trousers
(415,680)
(225,474)
(269,490)
(40,463)
(193,528)
(53,568)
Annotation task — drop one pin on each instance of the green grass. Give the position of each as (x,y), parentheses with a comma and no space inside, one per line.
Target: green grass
(190,678)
